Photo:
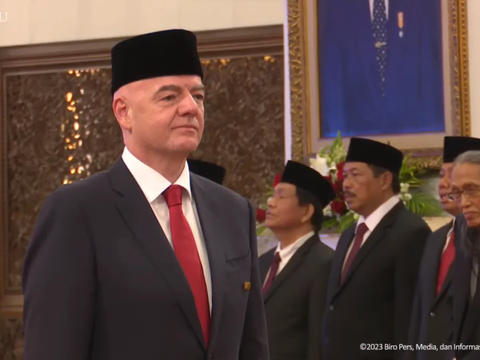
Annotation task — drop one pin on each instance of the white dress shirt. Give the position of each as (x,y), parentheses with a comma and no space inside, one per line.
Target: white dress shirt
(153,185)
(373,220)
(449,236)
(287,252)
(386,8)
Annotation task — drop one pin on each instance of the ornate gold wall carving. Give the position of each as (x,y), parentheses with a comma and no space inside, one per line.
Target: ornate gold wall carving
(59,128)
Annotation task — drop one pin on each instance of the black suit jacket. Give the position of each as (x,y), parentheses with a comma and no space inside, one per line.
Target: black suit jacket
(465,310)
(373,305)
(431,317)
(102,282)
(294,303)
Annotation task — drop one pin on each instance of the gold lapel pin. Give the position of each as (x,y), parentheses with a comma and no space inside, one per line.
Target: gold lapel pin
(246,285)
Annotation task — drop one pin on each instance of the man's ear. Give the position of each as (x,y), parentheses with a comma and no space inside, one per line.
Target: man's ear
(308,213)
(121,109)
(387,179)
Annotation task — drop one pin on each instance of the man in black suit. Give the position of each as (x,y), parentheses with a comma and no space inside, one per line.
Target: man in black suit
(464,290)
(206,169)
(295,274)
(146,260)
(431,317)
(374,273)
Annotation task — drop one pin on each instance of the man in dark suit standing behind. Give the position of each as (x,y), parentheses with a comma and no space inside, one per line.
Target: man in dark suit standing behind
(432,313)
(146,260)
(295,274)
(206,169)
(374,273)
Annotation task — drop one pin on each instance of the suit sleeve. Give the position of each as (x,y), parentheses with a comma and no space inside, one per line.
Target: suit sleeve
(254,345)
(406,275)
(316,305)
(58,284)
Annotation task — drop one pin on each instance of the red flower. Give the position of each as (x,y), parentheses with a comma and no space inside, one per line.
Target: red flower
(340,170)
(261,215)
(337,187)
(338,207)
(277,179)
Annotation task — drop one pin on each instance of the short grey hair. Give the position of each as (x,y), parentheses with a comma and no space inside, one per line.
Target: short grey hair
(469,157)
(469,237)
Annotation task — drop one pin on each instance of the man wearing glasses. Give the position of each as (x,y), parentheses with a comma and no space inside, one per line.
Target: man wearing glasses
(431,316)
(465,297)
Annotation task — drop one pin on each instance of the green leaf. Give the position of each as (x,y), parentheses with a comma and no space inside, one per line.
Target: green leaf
(346,221)
(260,229)
(330,223)
(424,205)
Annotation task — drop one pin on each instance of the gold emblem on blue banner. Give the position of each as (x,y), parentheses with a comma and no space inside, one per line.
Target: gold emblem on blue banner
(400,23)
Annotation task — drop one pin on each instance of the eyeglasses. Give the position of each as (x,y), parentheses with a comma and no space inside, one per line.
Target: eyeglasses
(471,192)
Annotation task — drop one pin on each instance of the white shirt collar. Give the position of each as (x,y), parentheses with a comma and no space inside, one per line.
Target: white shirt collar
(374,218)
(152,183)
(288,251)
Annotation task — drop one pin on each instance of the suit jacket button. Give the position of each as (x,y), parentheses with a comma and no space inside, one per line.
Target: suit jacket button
(331,307)
(432,314)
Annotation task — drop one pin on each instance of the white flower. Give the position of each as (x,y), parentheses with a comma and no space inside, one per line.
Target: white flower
(406,196)
(328,211)
(404,187)
(320,164)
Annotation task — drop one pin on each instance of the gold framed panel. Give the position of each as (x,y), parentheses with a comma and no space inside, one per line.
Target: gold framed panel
(426,149)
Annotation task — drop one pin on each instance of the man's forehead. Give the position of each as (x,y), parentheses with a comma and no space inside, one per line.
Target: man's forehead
(282,186)
(355,166)
(179,80)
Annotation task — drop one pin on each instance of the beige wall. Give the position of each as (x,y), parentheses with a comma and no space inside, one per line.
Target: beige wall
(25,22)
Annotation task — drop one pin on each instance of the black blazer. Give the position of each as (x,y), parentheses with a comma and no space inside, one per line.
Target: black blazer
(294,302)
(373,305)
(102,282)
(431,317)
(465,310)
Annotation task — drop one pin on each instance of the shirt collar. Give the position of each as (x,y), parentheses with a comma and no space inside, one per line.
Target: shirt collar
(152,183)
(374,218)
(290,249)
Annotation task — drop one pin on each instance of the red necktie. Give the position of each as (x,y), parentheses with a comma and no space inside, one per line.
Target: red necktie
(187,254)
(273,272)
(447,259)
(361,230)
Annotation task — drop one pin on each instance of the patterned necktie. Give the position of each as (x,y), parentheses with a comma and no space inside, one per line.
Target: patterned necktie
(357,243)
(187,255)
(379,24)
(446,261)
(273,272)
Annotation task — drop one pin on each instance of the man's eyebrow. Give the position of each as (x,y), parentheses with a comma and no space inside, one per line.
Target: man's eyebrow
(177,89)
(199,87)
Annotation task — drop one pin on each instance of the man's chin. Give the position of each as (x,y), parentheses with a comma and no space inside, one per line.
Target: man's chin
(186,146)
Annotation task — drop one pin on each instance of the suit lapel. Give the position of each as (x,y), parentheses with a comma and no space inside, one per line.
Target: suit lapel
(374,238)
(137,213)
(336,273)
(265,262)
(434,264)
(214,232)
(293,264)
(472,311)
(460,290)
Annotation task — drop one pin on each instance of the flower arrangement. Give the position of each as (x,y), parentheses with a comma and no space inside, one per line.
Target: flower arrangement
(337,216)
